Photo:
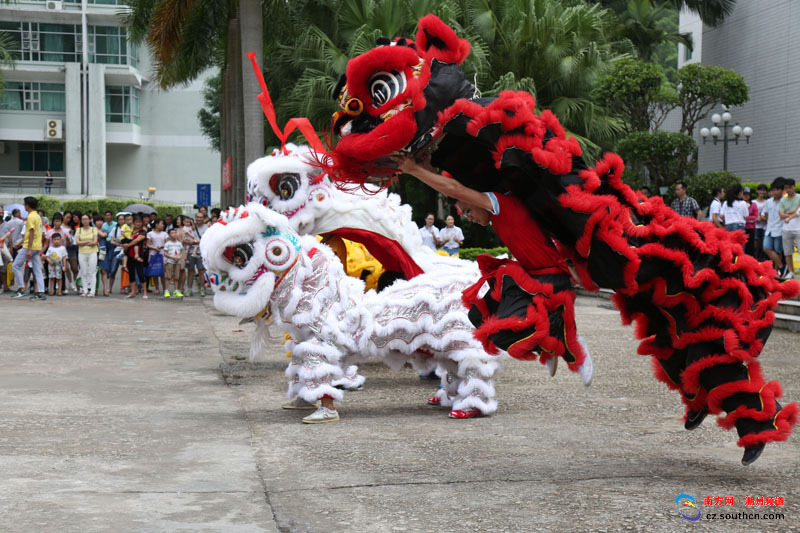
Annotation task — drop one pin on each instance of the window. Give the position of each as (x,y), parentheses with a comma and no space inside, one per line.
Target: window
(34,96)
(34,41)
(122,104)
(40,157)
(687,51)
(109,45)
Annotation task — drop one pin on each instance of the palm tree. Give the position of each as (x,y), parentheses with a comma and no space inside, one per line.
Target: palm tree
(642,24)
(712,12)
(5,56)
(556,51)
(187,37)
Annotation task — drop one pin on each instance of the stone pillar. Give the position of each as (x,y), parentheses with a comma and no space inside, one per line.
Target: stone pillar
(97,130)
(72,128)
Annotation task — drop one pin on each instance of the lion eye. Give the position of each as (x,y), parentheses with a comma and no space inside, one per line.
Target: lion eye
(238,255)
(285,185)
(383,86)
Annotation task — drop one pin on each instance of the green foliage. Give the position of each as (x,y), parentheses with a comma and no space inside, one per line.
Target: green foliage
(712,12)
(49,205)
(701,87)
(643,23)
(6,58)
(83,205)
(663,153)
(754,185)
(476,235)
(168,209)
(108,204)
(632,90)
(700,186)
(209,116)
(634,179)
(560,51)
(473,253)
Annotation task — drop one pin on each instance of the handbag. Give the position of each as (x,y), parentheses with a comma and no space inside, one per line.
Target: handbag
(125,280)
(155,268)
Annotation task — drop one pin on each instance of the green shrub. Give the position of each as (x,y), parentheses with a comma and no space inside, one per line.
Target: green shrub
(49,205)
(115,206)
(473,253)
(83,205)
(665,154)
(754,185)
(168,209)
(701,186)
(633,179)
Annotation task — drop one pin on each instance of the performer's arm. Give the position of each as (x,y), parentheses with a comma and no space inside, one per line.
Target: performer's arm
(447,186)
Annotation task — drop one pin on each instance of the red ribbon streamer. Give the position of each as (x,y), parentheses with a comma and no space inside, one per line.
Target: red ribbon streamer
(302,124)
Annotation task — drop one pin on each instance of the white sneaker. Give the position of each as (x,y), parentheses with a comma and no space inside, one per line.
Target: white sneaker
(321,416)
(789,275)
(552,366)
(298,403)
(586,370)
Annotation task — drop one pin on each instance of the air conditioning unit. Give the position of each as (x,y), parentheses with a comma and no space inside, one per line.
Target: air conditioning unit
(54,130)
(54,5)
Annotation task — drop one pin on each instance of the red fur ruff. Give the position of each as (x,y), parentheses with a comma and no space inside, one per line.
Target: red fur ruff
(455,50)
(544,301)
(729,301)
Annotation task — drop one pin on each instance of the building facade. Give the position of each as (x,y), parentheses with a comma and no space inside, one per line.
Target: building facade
(91,115)
(757,41)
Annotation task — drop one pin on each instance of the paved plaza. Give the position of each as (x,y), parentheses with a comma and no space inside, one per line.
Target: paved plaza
(144,416)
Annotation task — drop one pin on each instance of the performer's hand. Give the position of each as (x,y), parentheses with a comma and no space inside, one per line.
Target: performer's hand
(405,163)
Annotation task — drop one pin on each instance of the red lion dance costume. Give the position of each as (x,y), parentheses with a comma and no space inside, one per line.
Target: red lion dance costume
(702,308)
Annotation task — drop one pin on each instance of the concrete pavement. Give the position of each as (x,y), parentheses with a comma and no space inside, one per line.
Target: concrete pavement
(114,418)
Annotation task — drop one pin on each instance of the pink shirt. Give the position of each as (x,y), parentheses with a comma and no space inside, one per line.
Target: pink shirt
(750,221)
(64,232)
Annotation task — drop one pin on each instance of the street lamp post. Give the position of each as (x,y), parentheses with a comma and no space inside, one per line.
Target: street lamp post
(715,133)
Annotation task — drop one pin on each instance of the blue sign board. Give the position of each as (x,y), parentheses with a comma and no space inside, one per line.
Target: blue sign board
(204,194)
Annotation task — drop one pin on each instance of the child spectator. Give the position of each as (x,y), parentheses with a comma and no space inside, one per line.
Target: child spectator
(56,262)
(136,258)
(190,241)
(174,254)
(155,243)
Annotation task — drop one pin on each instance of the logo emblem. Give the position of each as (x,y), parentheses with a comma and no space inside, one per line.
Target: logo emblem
(687,506)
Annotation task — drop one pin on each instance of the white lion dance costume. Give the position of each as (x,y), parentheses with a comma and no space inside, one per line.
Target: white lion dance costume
(258,265)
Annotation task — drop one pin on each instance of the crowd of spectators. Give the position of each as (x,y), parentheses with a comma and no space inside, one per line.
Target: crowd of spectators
(82,253)
(449,239)
(770,220)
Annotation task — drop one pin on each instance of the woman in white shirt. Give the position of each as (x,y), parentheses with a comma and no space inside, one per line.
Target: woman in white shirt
(734,209)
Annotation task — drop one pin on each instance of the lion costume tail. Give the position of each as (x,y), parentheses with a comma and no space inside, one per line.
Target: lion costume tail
(702,307)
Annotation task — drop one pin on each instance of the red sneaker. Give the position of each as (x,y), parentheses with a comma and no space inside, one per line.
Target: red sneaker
(434,400)
(471,413)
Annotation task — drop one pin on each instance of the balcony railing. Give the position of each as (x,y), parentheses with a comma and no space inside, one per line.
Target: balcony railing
(32,185)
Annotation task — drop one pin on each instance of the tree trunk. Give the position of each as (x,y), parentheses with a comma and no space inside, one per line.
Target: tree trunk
(242,131)
(252,40)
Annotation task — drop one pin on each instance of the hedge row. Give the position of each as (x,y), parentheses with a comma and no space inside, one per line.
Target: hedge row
(754,186)
(52,205)
(472,253)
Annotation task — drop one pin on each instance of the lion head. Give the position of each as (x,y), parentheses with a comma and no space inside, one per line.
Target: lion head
(290,184)
(390,96)
(245,254)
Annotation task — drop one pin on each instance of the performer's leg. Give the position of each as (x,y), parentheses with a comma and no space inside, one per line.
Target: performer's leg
(448,386)
(312,371)
(739,390)
(475,394)
(351,380)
